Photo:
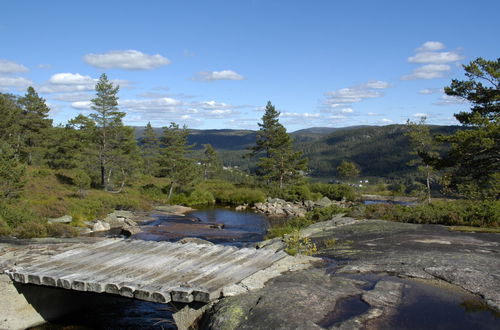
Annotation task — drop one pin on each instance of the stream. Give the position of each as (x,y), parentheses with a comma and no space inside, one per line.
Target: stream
(426,306)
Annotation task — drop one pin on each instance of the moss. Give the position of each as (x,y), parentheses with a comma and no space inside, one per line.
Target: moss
(469,229)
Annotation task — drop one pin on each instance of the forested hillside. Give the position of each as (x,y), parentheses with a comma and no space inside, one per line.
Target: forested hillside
(381,151)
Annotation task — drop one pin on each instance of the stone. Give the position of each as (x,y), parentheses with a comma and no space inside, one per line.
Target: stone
(323,202)
(101,226)
(130,230)
(63,219)
(195,240)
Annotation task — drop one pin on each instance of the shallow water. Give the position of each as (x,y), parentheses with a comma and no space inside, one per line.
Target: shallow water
(218,225)
(425,305)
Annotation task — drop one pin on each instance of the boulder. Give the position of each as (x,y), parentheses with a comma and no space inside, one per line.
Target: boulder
(130,230)
(323,202)
(100,226)
(63,219)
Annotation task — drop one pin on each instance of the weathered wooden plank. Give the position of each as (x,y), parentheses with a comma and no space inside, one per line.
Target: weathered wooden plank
(152,271)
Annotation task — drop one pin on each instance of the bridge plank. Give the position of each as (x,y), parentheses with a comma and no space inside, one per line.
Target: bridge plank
(147,270)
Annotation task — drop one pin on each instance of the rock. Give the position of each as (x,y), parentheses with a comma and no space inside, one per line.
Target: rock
(275,244)
(130,230)
(195,240)
(100,226)
(118,218)
(174,209)
(386,294)
(309,205)
(323,202)
(241,207)
(297,300)
(63,219)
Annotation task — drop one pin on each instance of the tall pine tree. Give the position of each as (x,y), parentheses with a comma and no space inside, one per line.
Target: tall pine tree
(174,163)
(34,126)
(280,164)
(150,150)
(108,119)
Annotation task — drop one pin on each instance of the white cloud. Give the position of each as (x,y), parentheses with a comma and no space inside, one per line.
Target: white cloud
(341,99)
(430,46)
(429,71)
(420,115)
(434,61)
(148,105)
(428,91)
(81,105)
(66,82)
(126,59)
(385,121)
(305,115)
(450,100)
(218,75)
(372,114)
(19,83)
(377,84)
(435,57)
(7,66)
(73,97)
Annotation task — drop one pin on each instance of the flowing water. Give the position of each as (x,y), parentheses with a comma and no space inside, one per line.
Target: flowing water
(424,306)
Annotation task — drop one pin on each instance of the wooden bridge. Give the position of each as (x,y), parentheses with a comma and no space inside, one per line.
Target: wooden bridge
(152,271)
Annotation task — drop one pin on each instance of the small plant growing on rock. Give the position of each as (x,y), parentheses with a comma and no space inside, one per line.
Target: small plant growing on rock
(299,245)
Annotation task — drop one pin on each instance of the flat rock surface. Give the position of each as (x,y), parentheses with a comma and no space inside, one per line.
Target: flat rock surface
(368,280)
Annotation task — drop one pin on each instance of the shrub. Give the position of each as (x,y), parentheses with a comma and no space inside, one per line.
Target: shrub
(456,213)
(294,244)
(297,223)
(60,230)
(31,229)
(334,191)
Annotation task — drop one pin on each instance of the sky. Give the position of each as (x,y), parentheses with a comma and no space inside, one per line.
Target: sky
(213,64)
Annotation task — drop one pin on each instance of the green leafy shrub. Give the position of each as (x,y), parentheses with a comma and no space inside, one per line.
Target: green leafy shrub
(60,230)
(294,244)
(31,229)
(456,213)
(294,193)
(228,194)
(297,223)
(334,191)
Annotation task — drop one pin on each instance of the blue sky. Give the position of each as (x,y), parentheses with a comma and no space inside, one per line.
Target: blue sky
(215,64)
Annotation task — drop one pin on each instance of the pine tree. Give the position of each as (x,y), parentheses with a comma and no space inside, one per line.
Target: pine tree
(174,162)
(108,119)
(280,164)
(348,169)
(210,162)
(423,145)
(473,161)
(11,172)
(34,126)
(150,150)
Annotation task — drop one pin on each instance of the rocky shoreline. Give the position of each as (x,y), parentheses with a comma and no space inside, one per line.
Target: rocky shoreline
(392,255)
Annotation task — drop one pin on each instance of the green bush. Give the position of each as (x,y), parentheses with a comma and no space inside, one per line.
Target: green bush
(297,223)
(14,215)
(451,213)
(31,229)
(195,198)
(334,191)
(60,230)
(228,194)
(295,193)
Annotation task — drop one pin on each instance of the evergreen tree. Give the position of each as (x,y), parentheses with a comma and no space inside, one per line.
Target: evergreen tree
(11,172)
(211,164)
(174,162)
(423,145)
(473,161)
(348,169)
(150,150)
(10,114)
(269,135)
(108,120)
(280,164)
(34,126)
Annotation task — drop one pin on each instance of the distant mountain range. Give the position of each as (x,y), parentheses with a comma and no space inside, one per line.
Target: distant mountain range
(378,150)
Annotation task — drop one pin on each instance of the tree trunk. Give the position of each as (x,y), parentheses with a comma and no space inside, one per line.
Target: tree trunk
(428,185)
(170,191)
